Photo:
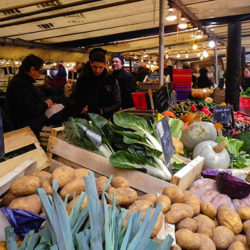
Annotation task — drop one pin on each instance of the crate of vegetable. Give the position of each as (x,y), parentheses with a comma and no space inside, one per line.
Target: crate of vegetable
(134,147)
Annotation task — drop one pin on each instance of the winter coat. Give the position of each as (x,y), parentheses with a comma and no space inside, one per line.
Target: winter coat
(100,93)
(127,86)
(24,106)
(204,82)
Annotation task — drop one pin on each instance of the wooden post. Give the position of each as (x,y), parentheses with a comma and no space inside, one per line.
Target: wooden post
(161,40)
(216,64)
(233,64)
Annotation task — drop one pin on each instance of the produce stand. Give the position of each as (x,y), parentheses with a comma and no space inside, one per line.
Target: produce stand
(18,139)
(61,151)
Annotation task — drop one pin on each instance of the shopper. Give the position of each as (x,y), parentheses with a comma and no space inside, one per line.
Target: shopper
(96,91)
(246,82)
(126,81)
(140,72)
(203,80)
(24,107)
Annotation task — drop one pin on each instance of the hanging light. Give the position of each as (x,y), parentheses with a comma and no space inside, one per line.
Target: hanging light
(142,60)
(183,23)
(211,44)
(187,56)
(171,15)
(198,53)
(195,46)
(178,55)
(166,56)
(205,54)
(198,34)
(135,57)
(201,57)
(155,63)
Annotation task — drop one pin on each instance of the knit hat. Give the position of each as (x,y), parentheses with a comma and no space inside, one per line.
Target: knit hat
(120,57)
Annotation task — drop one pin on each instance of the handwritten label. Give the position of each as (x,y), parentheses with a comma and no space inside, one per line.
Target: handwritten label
(173,99)
(223,114)
(1,137)
(165,136)
(161,99)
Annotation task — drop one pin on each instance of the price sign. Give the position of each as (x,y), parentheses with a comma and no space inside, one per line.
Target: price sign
(223,114)
(173,99)
(1,137)
(165,136)
(160,98)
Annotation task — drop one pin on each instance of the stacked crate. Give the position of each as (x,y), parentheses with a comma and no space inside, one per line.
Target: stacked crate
(182,83)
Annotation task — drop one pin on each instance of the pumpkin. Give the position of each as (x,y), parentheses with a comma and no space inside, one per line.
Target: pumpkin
(196,133)
(208,100)
(216,156)
(191,117)
(169,114)
(201,93)
(178,146)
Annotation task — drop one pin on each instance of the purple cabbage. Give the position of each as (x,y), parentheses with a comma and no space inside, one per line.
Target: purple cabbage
(211,173)
(233,186)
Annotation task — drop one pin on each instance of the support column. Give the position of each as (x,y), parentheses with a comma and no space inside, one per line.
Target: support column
(216,63)
(161,40)
(233,64)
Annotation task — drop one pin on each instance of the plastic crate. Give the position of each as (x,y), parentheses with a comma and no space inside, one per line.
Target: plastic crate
(140,101)
(245,105)
(183,95)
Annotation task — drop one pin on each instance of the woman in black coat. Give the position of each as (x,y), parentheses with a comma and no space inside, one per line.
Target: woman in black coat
(203,81)
(126,81)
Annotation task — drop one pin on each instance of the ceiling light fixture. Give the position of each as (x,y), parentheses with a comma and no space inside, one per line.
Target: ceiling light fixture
(198,54)
(171,15)
(211,44)
(166,56)
(178,55)
(187,56)
(198,34)
(195,46)
(205,54)
(183,23)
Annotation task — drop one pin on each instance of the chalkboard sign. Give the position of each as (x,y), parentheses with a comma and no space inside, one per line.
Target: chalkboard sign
(223,114)
(173,99)
(1,137)
(161,99)
(165,136)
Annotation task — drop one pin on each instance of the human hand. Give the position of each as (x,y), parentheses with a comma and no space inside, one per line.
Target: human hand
(49,102)
(85,110)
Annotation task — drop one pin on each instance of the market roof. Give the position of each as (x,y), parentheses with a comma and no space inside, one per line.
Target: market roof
(125,25)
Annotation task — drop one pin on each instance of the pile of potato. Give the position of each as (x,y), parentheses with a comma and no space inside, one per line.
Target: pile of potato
(198,225)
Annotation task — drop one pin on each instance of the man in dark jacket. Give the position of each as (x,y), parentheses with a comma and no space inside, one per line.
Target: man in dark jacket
(95,90)
(23,104)
(126,81)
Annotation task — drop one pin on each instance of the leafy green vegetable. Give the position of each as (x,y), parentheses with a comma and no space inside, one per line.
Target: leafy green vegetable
(246,93)
(245,136)
(176,126)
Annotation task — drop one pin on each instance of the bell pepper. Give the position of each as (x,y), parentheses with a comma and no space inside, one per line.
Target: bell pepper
(206,111)
(193,108)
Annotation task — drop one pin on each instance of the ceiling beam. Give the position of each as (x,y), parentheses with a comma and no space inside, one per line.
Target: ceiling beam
(48,17)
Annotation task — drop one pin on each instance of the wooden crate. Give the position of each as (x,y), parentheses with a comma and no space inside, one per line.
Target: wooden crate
(76,157)
(18,139)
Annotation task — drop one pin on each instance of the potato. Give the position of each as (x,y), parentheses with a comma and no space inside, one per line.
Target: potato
(63,175)
(141,205)
(205,225)
(30,203)
(7,198)
(164,201)
(240,237)
(229,218)
(81,172)
(120,182)
(125,196)
(193,201)
(175,215)
(176,247)
(248,236)
(74,202)
(101,182)
(174,193)
(206,242)
(25,185)
(72,188)
(237,245)
(222,237)
(244,213)
(43,175)
(45,184)
(187,239)
(187,223)
(208,209)
(149,197)
(246,225)
(183,206)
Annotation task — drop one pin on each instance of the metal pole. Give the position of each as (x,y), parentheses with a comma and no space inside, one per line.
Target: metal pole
(161,40)
(216,64)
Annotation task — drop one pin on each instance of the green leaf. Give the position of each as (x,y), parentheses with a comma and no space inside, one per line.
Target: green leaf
(176,126)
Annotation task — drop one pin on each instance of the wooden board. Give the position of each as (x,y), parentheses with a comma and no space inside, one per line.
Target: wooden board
(26,168)
(101,165)
(188,174)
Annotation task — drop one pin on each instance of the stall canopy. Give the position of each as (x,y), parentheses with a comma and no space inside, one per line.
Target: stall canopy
(119,25)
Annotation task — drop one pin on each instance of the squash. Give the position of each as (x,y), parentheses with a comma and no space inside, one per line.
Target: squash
(178,146)
(201,93)
(196,133)
(191,117)
(208,100)
(216,156)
